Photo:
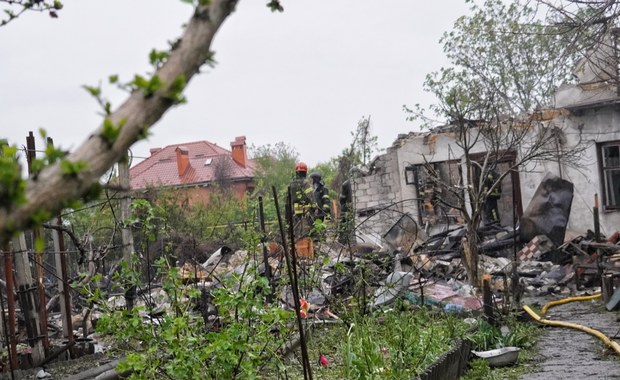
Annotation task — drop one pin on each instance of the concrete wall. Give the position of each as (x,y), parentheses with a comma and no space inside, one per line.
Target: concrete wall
(386,184)
(587,113)
(594,125)
(376,195)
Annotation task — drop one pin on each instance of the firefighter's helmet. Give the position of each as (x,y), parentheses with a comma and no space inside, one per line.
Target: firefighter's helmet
(301,167)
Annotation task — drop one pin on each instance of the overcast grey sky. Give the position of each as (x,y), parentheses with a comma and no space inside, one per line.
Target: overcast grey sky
(304,76)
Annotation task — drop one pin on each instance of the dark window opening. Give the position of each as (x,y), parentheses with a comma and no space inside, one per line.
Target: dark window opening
(366,213)
(609,160)
(436,184)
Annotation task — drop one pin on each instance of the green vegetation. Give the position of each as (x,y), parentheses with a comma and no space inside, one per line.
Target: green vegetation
(175,336)
(399,345)
(230,331)
(396,344)
(488,337)
(480,370)
(12,186)
(17,7)
(180,344)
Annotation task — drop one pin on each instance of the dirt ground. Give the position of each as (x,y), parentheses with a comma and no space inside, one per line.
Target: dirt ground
(571,354)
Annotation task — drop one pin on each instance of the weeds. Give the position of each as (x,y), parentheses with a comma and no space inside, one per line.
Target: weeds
(247,337)
(177,343)
(396,344)
(487,337)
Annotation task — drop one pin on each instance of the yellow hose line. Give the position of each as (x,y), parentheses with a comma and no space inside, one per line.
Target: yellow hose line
(567,300)
(610,343)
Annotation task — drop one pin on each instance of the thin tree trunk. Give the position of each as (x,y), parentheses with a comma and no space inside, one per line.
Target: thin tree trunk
(470,258)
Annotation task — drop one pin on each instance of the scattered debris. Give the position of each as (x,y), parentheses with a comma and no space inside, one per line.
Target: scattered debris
(539,256)
(614,302)
(43,375)
(548,211)
(392,288)
(499,357)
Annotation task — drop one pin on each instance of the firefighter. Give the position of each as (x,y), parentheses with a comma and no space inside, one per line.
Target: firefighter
(301,191)
(302,203)
(303,209)
(491,211)
(346,217)
(322,206)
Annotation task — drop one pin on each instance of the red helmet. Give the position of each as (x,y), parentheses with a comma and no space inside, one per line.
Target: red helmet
(301,167)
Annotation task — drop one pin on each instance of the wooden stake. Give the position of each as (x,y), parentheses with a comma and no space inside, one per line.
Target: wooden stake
(10,298)
(126,235)
(31,154)
(26,293)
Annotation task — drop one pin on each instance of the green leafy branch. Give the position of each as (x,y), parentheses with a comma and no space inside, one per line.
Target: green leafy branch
(158,57)
(275,6)
(175,92)
(96,92)
(72,169)
(111,131)
(51,155)
(153,84)
(12,186)
(18,7)
(148,86)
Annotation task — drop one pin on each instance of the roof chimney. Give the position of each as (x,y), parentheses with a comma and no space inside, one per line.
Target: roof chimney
(154,150)
(182,159)
(239,151)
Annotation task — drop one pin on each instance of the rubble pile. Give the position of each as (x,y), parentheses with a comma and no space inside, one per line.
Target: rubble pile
(405,264)
(431,271)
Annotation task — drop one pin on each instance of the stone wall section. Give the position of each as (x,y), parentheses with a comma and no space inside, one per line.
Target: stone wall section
(376,195)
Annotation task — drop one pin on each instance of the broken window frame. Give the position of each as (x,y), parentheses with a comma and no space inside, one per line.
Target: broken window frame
(411,175)
(609,169)
(427,191)
(497,159)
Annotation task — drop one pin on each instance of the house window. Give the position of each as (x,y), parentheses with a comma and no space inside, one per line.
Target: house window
(410,175)
(609,154)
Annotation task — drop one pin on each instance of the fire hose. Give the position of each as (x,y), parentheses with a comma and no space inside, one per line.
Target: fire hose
(608,342)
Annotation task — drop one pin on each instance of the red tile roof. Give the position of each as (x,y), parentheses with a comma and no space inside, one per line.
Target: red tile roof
(206,160)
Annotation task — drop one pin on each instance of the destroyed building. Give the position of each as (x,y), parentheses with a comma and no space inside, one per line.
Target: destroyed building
(585,113)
